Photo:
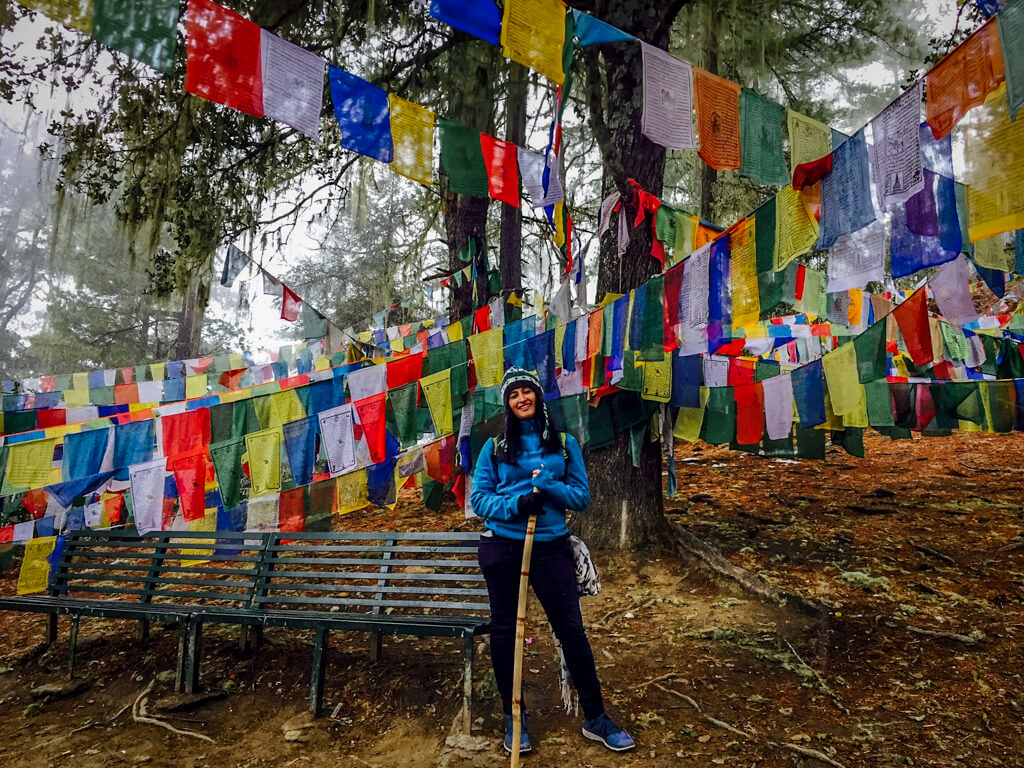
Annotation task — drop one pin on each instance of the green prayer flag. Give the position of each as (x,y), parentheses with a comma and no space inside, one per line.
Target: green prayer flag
(632,377)
(991,347)
(955,341)
(1001,405)
(314,325)
(1012,364)
(222,422)
(870,348)
(778,449)
(879,403)
(320,500)
(810,443)
(761,140)
(227,463)
(1011,29)
(720,418)
(853,441)
(101,395)
(462,158)
(652,324)
(569,414)
(145,30)
(764,370)
(403,404)
(764,237)
(971,409)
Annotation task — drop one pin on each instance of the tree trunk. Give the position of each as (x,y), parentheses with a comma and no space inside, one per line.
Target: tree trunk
(510,254)
(708,175)
(626,510)
(193,311)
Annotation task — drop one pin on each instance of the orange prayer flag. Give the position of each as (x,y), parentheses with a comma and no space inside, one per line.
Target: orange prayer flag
(718,120)
(964,78)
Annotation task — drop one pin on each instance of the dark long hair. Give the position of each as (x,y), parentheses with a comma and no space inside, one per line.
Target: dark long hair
(506,446)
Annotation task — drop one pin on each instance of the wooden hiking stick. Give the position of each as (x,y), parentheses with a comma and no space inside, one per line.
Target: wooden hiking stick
(517,667)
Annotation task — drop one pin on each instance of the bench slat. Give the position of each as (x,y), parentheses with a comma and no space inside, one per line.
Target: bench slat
(266,579)
(303,587)
(439,550)
(77,570)
(158,593)
(269,600)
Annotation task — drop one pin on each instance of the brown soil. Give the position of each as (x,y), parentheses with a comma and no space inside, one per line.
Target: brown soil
(925,534)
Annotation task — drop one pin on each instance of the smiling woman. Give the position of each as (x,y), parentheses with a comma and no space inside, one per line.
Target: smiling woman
(532,470)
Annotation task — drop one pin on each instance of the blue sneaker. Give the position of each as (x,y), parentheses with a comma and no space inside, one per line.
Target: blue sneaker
(524,738)
(602,729)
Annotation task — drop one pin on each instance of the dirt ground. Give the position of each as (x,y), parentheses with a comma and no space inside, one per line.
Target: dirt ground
(917,552)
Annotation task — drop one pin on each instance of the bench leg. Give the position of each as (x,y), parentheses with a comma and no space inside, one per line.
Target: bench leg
(316,686)
(73,644)
(376,645)
(179,672)
(51,628)
(245,634)
(143,630)
(192,654)
(467,684)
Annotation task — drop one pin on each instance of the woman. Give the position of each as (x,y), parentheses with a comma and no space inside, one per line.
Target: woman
(532,470)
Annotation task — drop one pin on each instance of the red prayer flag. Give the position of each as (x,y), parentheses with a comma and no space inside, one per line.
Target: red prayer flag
(126,393)
(673,285)
(290,304)
(51,417)
(501,159)
(6,534)
(482,319)
(740,372)
(291,511)
(185,432)
(404,370)
(749,413)
(112,508)
(189,471)
(223,57)
(128,374)
(809,174)
(232,379)
(912,319)
(372,419)
(963,79)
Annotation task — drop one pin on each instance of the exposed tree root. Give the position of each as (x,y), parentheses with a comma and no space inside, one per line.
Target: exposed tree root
(713,720)
(139,715)
(807,752)
(955,636)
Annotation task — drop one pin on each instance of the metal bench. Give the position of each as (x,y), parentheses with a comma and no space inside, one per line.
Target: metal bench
(381,583)
(162,577)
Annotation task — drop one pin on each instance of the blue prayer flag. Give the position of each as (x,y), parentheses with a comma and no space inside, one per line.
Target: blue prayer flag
(686,372)
(542,348)
(846,192)
(910,252)
(363,115)
(300,444)
(479,18)
(83,453)
(134,442)
(809,394)
(591,31)
(1019,252)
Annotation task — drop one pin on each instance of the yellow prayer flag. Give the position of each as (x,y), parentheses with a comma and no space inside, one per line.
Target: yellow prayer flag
(284,407)
(559,340)
(207,522)
(158,371)
(76,398)
(195,386)
(322,363)
(559,224)
(235,361)
(487,356)
(438,394)
(993,168)
(992,254)
(76,14)
(35,568)
(855,311)
(455,332)
(690,420)
(844,388)
(514,300)
(658,380)
(264,449)
(533,33)
(412,128)
(796,231)
(686,235)
(29,464)
(352,492)
(746,305)
(809,140)
(262,513)
(80,381)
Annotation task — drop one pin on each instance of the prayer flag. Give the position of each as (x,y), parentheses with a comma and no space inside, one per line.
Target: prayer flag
(262,513)
(184,432)
(778,406)
(809,394)
(462,158)
(300,444)
(223,57)
(533,33)
(29,463)
(372,419)
(145,30)
(910,252)
(964,78)
(147,484)
(437,393)
(352,492)
(337,438)
(293,84)
(846,192)
(290,304)
(76,14)
(502,169)
(846,393)
(912,319)
(83,453)
(403,401)
(314,325)
(950,285)
(746,306)
(1011,32)
(479,18)
(871,353)
(134,442)
(749,413)
(363,115)
(227,464)
(592,31)
(991,253)
(412,130)
(34,575)
(367,381)
(264,449)
(668,99)
(532,167)
(404,370)
(487,357)
(896,149)
(761,140)
(809,139)
(189,471)
(856,259)
(718,120)
(796,231)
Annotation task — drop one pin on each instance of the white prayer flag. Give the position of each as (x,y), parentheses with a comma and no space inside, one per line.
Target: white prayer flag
(778,406)
(668,99)
(950,284)
(896,149)
(147,482)
(293,84)
(367,381)
(338,442)
(856,259)
(531,167)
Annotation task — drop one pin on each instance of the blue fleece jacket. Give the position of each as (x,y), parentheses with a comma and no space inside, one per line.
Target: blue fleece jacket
(497,486)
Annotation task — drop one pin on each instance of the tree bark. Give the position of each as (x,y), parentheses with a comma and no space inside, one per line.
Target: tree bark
(626,510)
(510,252)
(193,311)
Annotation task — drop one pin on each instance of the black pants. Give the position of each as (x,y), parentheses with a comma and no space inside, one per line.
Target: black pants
(553,577)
